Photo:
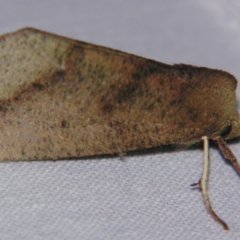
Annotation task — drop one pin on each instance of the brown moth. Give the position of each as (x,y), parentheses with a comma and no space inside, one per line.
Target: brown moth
(63,98)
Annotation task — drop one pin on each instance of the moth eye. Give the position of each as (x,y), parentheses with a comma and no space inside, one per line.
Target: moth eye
(226,131)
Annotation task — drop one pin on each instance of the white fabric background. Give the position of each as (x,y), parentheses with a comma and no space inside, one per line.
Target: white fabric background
(146,196)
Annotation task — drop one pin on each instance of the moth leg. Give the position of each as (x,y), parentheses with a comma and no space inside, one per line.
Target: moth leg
(203,184)
(227,153)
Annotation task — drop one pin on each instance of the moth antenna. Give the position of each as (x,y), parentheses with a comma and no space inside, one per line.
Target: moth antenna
(203,185)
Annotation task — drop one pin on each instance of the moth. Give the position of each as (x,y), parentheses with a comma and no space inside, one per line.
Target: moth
(62,98)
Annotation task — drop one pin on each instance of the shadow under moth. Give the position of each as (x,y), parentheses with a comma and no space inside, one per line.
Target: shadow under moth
(62,98)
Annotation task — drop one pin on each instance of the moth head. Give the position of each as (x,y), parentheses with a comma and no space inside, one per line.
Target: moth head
(233,130)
